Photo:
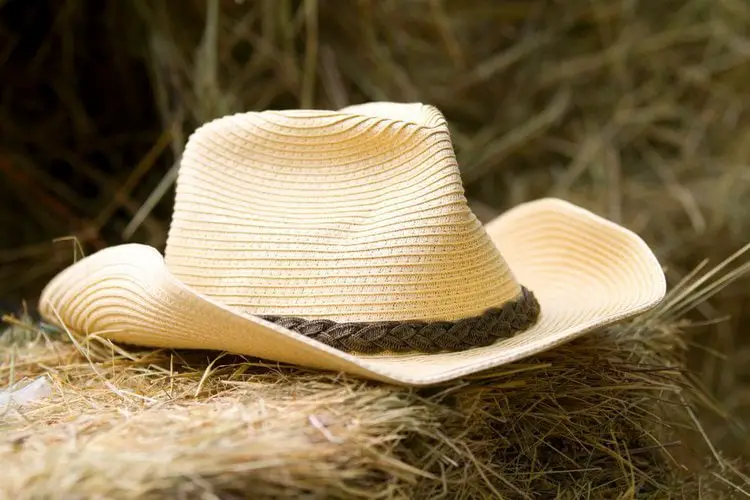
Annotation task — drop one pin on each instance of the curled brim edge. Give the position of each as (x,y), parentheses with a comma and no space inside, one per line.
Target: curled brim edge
(586,271)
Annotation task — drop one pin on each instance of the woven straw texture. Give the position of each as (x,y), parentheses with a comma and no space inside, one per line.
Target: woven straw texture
(350,216)
(321,214)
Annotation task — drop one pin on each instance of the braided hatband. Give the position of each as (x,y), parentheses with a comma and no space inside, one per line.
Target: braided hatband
(420,336)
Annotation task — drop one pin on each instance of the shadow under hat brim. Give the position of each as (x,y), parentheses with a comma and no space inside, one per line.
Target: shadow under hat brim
(585,271)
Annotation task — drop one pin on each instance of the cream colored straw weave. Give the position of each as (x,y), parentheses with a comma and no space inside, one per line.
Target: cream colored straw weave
(352,217)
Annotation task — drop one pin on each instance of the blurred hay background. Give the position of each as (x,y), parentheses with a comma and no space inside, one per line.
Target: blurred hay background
(636,110)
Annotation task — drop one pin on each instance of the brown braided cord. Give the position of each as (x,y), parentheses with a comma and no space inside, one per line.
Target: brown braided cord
(420,336)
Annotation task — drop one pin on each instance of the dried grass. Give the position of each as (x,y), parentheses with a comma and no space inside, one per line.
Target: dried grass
(637,110)
(610,416)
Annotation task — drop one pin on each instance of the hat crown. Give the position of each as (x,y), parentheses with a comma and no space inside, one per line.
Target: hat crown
(350,215)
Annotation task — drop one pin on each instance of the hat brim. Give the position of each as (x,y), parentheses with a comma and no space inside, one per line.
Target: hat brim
(586,272)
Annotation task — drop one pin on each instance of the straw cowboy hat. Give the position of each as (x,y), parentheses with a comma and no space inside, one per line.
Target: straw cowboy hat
(342,240)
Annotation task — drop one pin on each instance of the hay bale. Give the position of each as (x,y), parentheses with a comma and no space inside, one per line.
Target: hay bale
(612,415)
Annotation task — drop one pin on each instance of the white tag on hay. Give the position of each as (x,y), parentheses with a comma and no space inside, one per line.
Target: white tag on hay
(19,395)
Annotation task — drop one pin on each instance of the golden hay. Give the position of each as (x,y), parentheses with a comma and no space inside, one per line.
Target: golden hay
(609,416)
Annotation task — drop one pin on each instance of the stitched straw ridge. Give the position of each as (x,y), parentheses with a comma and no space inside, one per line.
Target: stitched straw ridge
(367,190)
(409,148)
